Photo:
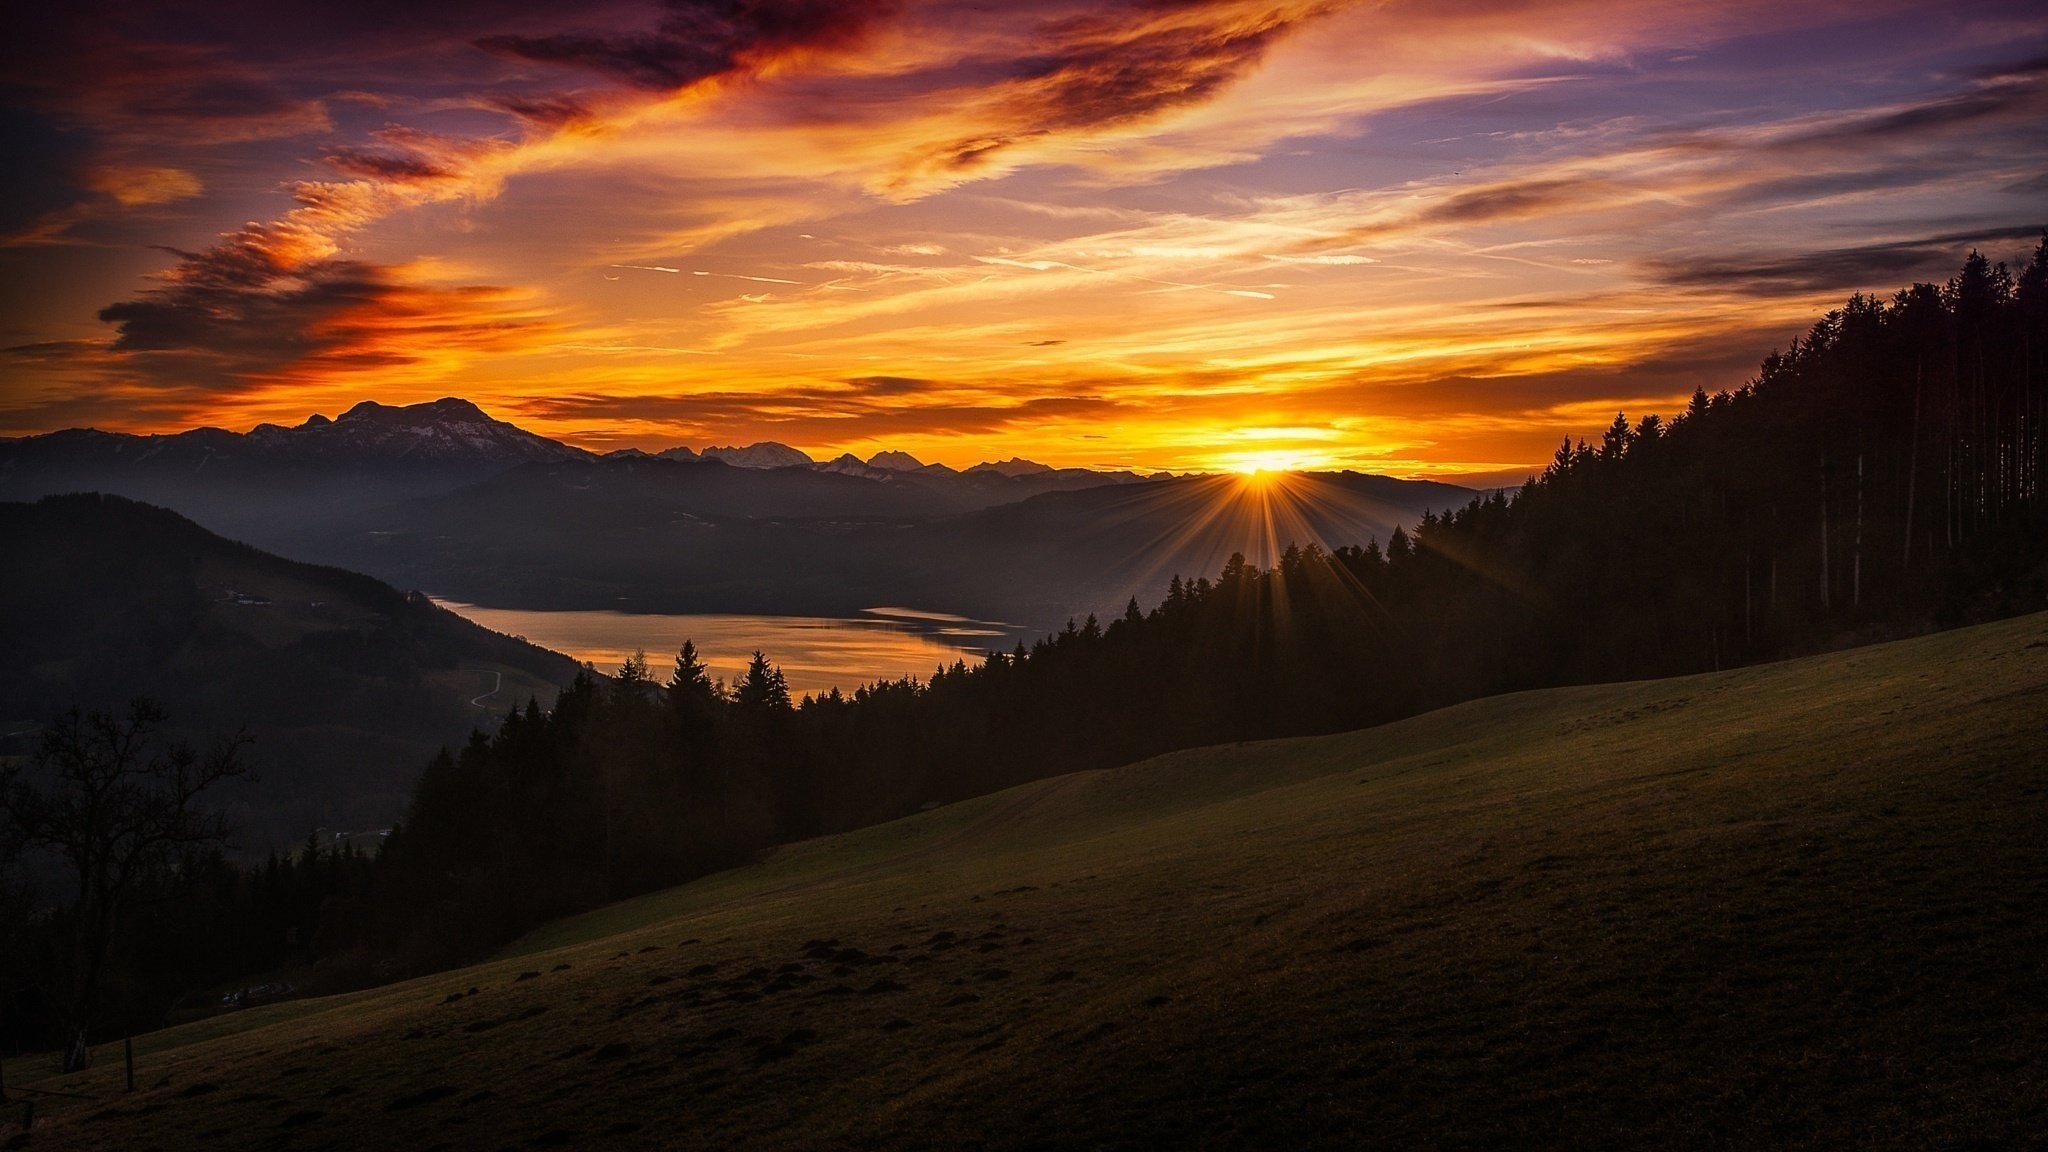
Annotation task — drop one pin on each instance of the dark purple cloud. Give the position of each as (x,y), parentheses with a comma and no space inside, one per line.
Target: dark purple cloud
(1129,63)
(1506,201)
(261,306)
(1880,266)
(699,39)
(891,385)
(547,111)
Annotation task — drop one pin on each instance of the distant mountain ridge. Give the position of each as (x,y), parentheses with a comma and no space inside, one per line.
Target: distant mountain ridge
(375,454)
(444,429)
(767,454)
(442,496)
(450,429)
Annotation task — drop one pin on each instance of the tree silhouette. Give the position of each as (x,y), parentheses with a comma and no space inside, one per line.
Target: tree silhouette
(762,690)
(118,801)
(691,680)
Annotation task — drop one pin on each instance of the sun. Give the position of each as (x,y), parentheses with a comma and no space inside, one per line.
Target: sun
(1269,461)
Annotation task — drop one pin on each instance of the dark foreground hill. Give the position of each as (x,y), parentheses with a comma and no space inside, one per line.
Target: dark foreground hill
(1792,906)
(347,684)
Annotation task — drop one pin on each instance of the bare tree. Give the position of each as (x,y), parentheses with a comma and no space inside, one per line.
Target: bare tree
(116,799)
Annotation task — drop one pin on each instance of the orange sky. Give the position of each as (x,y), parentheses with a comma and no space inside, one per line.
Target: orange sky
(1410,238)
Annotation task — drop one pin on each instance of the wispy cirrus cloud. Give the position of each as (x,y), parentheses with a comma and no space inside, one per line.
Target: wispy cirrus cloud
(849,413)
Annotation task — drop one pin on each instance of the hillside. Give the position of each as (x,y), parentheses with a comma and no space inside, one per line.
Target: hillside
(1791,906)
(347,684)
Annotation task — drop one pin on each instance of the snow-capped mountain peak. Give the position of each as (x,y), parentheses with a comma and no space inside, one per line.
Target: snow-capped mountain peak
(895,461)
(766,454)
(1014,466)
(448,430)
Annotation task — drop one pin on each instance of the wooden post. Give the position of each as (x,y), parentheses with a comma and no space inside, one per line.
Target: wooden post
(128,1059)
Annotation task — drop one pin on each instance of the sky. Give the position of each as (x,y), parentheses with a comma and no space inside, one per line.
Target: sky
(1427,239)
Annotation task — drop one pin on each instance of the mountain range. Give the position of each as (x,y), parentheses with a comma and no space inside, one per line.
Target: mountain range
(375,452)
(441,496)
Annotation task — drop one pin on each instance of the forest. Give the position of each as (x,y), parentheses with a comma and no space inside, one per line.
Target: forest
(1880,477)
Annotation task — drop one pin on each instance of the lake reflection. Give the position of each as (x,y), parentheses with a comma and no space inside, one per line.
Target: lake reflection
(815,653)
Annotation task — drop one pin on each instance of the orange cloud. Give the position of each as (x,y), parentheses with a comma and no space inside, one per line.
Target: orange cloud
(134,187)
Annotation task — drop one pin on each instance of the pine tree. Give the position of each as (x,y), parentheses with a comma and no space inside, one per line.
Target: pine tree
(763,689)
(689,688)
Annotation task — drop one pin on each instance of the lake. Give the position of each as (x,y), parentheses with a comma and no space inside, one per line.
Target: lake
(815,653)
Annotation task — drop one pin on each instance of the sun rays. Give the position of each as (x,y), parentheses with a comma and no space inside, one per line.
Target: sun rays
(1191,529)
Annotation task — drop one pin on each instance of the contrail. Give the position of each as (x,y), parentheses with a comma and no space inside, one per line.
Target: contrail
(698,272)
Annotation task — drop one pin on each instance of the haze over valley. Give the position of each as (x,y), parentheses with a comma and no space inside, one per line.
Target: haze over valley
(440,497)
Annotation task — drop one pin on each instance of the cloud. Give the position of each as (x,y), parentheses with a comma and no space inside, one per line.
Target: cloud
(138,93)
(409,168)
(891,385)
(815,416)
(1334,259)
(133,187)
(226,330)
(2011,95)
(553,110)
(697,40)
(1100,70)
(1880,266)
(278,301)
(1508,201)
(426,165)
(235,322)
(129,116)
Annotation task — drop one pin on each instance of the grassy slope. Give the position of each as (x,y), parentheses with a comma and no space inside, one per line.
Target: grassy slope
(1789,906)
